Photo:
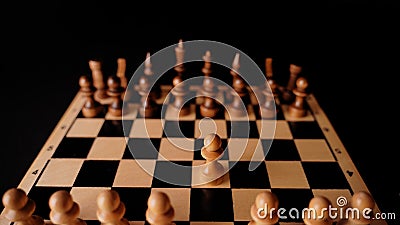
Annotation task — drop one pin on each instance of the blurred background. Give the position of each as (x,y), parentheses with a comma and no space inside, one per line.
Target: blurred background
(348,50)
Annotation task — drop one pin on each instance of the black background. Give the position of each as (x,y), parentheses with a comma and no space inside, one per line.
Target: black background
(348,50)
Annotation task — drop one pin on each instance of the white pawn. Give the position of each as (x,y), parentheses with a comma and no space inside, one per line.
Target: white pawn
(318,213)
(110,209)
(64,210)
(266,201)
(18,208)
(159,209)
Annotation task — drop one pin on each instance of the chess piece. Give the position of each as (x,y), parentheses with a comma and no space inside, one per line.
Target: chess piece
(261,211)
(110,209)
(91,107)
(98,79)
(238,84)
(287,94)
(154,89)
(114,91)
(364,203)
(179,92)
(18,208)
(297,109)
(148,105)
(318,213)
(270,77)
(212,151)
(159,209)
(121,62)
(268,109)
(63,209)
(179,53)
(209,107)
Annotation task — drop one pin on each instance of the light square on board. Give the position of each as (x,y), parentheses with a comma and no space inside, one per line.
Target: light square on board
(180,200)
(147,128)
(314,150)
(134,173)
(288,174)
(206,126)
(108,148)
(173,114)
(242,201)
(84,127)
(176,149)
(242,149)
(60,172)
(274,129)
(199,181)
(307,117)
(86,198)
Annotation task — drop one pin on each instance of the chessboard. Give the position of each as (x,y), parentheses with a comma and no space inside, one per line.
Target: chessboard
(122,148)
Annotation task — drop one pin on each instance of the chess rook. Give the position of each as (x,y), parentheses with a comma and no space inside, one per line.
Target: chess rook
(159,209)
(297,109)
(265,200)
(212,151)
(110,209)
(121,62)
(63,209)
(18,208)
(318,213)
(287,94)
(98,79)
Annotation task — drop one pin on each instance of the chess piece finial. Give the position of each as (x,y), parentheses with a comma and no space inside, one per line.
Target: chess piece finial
(18,208)
(159,209)
(318,213)
(98,79)
(110,209)
(63,209)
(297,109)
(261,212)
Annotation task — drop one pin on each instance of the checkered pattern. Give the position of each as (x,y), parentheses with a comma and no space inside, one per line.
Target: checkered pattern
(134,156)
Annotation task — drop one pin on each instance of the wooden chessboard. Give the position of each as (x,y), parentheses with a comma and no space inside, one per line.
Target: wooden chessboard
(87,155)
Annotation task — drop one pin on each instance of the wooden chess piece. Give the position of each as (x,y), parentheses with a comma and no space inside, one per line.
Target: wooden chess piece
(238,83)
(180,54)
(212,151)
(110,209)
(268,109)
(91,107)
(159,209)
(179,92)
(270,77)
(148,106)
(318,213)
(98,79)
(364,203)
(18,208)
(114,91)
(154,89)
(287,94)
(297,109)
(64,210)
(121,62)
(261,211)
(209,107)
